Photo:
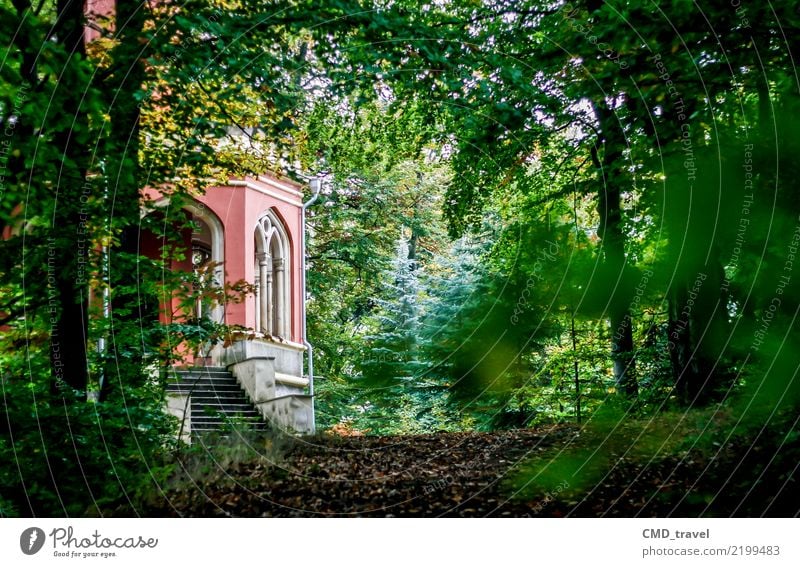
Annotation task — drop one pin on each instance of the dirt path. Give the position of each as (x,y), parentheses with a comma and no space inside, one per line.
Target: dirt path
(464,474)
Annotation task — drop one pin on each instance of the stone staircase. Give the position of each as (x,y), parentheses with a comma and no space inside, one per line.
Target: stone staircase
(215,398)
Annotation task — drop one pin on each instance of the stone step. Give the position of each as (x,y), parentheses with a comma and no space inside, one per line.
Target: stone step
(219,419)
(215,431)
(202,372)
(208,421)
(205,388)
(197,369)
(227,410)
(213,415)
(222,380)
(205,382)
(215,399)
(200,377)
(222,426)
(212,398)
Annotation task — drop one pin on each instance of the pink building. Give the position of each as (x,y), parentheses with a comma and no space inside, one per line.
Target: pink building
(251,230)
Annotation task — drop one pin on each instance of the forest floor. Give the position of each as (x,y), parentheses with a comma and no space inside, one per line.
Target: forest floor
(556,471)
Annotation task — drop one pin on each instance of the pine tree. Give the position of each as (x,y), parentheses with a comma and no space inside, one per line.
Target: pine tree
(390,355)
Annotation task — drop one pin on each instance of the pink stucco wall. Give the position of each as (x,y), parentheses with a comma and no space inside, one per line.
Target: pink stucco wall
(238,206)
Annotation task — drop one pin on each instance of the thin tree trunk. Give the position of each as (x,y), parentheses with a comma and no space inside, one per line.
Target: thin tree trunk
(680,343)
(575,365)
(127,309)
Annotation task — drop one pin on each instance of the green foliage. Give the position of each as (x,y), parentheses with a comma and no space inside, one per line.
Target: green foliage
(664,156)
(66,457)
(85,129)
(383,190)
(618,182)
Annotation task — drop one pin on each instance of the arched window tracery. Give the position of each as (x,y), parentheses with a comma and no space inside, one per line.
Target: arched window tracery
(271,262)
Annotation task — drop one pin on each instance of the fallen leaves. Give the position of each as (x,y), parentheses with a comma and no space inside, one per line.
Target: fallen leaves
(445,474)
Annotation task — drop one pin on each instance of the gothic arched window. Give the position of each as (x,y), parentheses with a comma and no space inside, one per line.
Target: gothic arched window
(206,263)
(273,308)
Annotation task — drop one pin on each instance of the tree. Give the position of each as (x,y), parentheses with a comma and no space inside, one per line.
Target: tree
(384,185)
(87,127)
(638,93)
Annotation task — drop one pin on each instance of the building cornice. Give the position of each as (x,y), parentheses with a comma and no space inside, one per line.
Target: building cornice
(259,186)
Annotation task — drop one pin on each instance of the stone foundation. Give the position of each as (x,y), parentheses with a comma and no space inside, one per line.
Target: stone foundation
(271,374)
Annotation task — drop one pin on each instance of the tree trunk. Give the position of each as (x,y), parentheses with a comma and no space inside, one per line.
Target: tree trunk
(124,180)
(696,329)
(680,344)
(69,247)
(612,244)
